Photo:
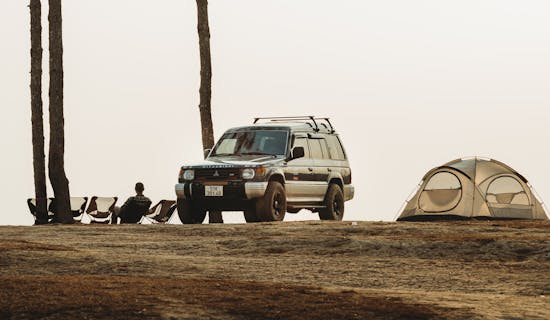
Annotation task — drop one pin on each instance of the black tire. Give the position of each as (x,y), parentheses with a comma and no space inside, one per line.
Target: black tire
(215,216)
(250,216)
(334,204)
(189,214)
(272,206)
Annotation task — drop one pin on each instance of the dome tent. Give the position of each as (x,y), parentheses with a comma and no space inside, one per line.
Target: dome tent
(473,188)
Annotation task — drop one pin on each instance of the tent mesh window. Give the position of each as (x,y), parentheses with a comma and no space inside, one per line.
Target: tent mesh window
(507,190)
(508,199)
(442,193)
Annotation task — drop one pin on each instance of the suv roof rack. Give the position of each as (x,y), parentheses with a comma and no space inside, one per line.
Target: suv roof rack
(310,120)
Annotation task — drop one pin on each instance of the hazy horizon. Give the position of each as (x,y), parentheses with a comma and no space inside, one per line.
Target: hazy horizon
(408,85)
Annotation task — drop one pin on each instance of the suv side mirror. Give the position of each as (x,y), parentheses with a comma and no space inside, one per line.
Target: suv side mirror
(298,152)
(206,152)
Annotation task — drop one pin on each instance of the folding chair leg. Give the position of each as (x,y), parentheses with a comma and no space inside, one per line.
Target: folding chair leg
(170,219)
(143,218)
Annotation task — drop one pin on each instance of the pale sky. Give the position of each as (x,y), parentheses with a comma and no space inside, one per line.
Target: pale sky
(409,86)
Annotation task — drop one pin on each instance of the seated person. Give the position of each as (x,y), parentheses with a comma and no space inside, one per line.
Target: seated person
(134,208)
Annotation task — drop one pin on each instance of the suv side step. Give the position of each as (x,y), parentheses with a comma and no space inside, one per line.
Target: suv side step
(305,205)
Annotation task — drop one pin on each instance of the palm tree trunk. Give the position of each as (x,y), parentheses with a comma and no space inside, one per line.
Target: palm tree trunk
(39,161)
(206,75)
(56,164)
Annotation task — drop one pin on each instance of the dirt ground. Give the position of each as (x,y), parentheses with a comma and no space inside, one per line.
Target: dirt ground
(295,270)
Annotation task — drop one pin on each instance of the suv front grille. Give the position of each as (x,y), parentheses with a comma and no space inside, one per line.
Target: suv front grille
(217,174)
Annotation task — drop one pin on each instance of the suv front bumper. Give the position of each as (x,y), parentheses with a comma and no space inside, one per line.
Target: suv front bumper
(241,191)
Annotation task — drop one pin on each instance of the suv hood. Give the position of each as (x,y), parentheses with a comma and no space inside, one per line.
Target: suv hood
(235,161)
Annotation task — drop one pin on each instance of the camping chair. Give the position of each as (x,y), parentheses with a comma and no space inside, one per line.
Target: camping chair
(133,211)
(32,208)
(161,212)
(100,209)
(78,204)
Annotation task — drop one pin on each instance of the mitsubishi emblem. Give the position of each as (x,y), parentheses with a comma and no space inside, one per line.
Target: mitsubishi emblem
(216,174)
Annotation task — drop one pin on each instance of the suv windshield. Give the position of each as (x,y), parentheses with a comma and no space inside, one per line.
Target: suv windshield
(257,142)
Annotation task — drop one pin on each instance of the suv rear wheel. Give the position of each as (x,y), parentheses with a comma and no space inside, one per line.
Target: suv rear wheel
(334,204)
(272,207)
(189,214)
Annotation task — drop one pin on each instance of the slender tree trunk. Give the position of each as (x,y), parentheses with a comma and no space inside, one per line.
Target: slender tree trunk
(206,75)
(206,88)
(39,161)
(56,164)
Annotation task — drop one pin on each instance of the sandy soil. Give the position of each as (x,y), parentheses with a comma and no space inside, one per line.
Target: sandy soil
(297,270)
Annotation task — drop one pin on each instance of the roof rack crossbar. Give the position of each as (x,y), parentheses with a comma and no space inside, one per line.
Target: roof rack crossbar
(308,119)
(327,120)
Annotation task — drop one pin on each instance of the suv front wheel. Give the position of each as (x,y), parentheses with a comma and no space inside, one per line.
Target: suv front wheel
(189,214)
(272,206)
(250,216)
(334,204)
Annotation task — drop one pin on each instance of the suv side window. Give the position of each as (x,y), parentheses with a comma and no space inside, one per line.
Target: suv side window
(302,142)
(317,147)
(324,147)
(335,148)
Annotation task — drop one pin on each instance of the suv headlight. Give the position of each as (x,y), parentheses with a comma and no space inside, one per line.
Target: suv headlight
(248,173)
(189,174)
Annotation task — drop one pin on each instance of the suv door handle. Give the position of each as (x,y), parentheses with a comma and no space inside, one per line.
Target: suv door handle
(329,169)
(310,169)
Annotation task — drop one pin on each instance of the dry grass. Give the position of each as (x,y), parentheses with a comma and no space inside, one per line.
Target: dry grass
(71,297)
(303,270)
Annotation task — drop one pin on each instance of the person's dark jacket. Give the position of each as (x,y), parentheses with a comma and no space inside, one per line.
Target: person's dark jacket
(134,208)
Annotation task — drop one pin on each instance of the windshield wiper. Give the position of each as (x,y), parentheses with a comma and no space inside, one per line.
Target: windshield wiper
(258,154)
(255,154)
(223,154)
